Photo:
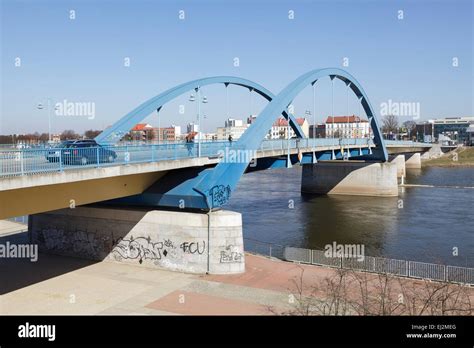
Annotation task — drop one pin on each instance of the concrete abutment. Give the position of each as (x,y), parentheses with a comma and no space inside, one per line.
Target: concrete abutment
(179,241)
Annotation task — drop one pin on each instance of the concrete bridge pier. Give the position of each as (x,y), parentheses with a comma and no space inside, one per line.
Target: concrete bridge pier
(350,178)
(413,161)
(399,161)
(175,240)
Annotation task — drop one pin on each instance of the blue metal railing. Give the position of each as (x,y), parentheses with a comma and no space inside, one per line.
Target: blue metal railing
(15,162)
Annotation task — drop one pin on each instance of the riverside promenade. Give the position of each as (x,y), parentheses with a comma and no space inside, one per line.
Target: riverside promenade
(66,285)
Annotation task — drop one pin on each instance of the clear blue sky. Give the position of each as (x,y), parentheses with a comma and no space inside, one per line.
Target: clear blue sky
(81,60)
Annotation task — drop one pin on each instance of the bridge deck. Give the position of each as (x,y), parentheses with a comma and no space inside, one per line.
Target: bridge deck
(58,186)
(20,162)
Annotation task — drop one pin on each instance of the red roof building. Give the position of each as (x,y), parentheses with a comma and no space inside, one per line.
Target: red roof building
(141,127)
(280,128)
(344,119)
(282,122)
(347,127)
(142,132)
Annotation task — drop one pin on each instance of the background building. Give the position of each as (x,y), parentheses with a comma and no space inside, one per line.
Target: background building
(424,131)
(347,127)
(317,131)
(231,122)
(167,134)
(142,132)
(449,129)
(453,127)
(233,127)
(210,136)
(251,119)
(470,135)
(280,128)
(192,127)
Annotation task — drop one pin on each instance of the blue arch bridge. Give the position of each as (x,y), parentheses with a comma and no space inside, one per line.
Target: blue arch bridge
(178,179)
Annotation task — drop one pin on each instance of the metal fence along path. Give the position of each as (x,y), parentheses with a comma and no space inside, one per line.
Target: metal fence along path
(411,269)
(381,265)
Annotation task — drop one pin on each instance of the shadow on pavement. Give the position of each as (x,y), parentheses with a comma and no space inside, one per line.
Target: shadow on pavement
(17,273)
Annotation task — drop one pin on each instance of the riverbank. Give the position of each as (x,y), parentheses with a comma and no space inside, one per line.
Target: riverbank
(461,157)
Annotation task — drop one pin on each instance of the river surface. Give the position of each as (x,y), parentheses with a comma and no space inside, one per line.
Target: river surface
(422,224)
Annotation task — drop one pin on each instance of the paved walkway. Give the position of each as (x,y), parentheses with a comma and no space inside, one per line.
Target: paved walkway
(66,285)
(9,227)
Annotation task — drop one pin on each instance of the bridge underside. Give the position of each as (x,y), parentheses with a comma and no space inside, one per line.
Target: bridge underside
(176,188)
(37,199)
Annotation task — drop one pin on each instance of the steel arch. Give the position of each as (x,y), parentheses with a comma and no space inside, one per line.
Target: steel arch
(115,132)
(212,187)
(222,180)
(258,130)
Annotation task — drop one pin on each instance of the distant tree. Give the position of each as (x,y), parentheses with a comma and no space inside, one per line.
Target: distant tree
(69,134)
(44,137)
(29,138)
(91,134)
(6,139)
(410,126)
(127,137)
(390,124)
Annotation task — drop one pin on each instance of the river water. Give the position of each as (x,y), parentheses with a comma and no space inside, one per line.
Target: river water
(422,224)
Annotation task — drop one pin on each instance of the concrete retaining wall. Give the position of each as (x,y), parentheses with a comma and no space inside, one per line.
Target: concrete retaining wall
(179,241)
(350,178)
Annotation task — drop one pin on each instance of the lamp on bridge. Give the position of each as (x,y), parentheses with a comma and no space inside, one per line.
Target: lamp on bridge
(200,100)
(40,106)
(308,115)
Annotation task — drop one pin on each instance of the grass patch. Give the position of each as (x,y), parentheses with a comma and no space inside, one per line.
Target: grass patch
(461,157)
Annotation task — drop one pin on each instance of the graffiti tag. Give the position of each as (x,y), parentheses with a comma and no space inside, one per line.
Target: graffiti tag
(231,254)
(193,247)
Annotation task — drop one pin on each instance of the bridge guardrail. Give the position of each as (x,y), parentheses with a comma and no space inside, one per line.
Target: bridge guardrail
(34,161)
(15,162)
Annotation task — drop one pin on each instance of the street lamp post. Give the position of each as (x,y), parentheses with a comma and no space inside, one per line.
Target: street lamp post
(332,103)
(199,101)
(40,106)
(288,159)
(159,126)
(308,114)
(350,128)
(199,120)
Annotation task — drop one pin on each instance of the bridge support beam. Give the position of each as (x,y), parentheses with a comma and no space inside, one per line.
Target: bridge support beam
(413,161)
(399,161)
(350,178)
(179,241)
